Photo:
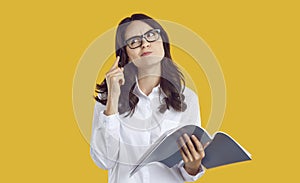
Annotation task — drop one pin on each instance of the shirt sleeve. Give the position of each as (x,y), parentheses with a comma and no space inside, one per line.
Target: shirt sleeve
(186,176)
(192,113)
(104,143)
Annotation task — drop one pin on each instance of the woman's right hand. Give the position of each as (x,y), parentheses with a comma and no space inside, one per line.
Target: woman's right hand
(114,80)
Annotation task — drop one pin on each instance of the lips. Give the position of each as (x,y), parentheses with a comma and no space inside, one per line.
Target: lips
(146,53)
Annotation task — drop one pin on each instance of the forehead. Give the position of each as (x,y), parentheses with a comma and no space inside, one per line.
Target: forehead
(136,28)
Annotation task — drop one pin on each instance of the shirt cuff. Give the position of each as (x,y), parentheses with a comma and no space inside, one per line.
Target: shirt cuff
(110,122)
(186,176)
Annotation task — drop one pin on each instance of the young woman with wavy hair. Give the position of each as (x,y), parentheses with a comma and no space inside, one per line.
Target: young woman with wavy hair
(142,96)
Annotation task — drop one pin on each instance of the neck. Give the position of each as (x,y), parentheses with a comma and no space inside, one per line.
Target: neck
(148,78)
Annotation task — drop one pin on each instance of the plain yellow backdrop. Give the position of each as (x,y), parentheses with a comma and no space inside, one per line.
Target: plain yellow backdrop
(255,42)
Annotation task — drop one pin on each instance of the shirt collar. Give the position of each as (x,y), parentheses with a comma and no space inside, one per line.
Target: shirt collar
(139,93)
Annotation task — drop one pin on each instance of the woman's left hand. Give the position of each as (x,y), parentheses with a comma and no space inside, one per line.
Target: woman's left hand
(192,152)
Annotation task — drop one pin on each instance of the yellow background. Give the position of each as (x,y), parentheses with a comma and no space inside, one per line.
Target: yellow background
(256,43)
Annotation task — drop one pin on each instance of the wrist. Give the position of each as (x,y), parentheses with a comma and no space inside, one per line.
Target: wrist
(192,171)
(111,106)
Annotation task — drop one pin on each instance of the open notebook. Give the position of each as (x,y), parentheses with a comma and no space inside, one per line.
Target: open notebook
(221,150)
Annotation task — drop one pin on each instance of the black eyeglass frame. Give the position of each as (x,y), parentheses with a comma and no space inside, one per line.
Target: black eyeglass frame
(141,37)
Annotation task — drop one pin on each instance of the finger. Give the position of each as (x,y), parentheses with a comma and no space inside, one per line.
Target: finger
(184,158)
(207,143)
(202,154)
(185,149)
(197,143)
(117,77)
(114,71)
(116,63)
(199,146)
(191,146)
(181,143)
(122,80)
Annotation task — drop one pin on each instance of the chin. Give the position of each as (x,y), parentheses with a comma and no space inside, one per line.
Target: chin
(147,61)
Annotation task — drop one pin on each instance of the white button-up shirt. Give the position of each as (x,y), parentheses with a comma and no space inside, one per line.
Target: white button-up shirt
(117,142)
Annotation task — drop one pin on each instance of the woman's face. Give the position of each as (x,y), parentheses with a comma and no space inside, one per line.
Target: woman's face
(149,53)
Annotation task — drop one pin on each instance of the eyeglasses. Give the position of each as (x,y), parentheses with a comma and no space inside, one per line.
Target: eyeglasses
(136,41)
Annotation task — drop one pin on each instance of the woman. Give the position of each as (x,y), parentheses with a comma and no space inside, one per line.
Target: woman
(143,96)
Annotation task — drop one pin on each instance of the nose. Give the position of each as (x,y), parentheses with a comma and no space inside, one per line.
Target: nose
(145,43)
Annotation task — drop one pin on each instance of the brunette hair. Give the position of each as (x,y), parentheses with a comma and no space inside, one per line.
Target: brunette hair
(172,82)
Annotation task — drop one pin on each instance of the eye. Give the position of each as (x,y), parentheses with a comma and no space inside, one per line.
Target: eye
(134,41)
(150,34)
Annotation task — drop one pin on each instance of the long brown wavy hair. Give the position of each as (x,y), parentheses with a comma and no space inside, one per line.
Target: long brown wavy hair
(172,82)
